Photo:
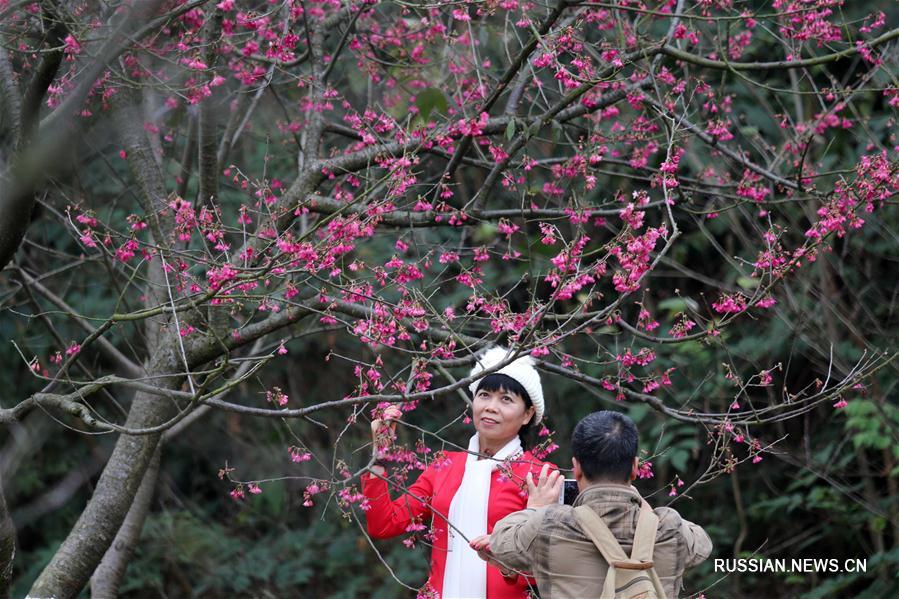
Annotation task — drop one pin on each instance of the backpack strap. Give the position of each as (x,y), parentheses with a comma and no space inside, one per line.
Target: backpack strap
(605,541)
(645,536)
(593,526)
(644,543)
(599,533)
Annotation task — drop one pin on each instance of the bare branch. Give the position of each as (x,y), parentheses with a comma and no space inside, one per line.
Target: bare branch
(778,64)
(127,366)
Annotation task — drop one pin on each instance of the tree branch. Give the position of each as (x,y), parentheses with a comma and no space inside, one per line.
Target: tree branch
(46,70)
(733,155)
(777,64)
(511,71)
(126,365)
(41,159)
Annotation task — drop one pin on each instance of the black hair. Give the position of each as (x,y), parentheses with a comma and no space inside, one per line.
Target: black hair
(605,445)
(501,382)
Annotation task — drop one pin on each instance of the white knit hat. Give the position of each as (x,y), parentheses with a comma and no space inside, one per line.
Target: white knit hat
(521,370)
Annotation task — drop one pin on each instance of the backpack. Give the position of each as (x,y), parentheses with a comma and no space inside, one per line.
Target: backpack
(628,577)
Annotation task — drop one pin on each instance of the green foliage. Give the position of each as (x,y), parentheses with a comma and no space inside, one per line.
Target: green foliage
(30,570)
(884,586)
(192,555)
(872,425)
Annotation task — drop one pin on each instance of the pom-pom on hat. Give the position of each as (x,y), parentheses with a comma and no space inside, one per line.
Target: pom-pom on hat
(522,369)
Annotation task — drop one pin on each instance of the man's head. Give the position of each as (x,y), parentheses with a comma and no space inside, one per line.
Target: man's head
(604,445)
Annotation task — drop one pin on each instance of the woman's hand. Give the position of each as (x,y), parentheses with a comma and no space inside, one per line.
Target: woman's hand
(481,544)
(383,429)
(383,432)
(548,488)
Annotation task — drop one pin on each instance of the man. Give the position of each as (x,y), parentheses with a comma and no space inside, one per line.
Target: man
(547,540)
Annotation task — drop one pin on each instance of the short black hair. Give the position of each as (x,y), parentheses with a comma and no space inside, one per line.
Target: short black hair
(605,445)
(502,382)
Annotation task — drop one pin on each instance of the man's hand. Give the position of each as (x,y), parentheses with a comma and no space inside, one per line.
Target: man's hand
(547,490)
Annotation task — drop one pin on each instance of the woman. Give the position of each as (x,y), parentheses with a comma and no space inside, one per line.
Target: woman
(473,489)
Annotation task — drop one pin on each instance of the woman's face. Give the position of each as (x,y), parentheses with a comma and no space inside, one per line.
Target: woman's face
(498,415)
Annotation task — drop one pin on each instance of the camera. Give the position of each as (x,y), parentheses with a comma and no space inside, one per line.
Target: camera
(569,492)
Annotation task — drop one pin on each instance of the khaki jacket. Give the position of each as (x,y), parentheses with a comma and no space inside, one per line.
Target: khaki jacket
(548,543)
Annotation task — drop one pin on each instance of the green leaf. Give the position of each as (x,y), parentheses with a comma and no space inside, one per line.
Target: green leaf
(747,282)
(678,304)
(485,232)
(678,459)
(510,129)
(557,131)
(638,412)
(428,100)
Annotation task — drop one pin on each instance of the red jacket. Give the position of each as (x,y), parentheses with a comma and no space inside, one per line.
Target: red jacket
(436,487)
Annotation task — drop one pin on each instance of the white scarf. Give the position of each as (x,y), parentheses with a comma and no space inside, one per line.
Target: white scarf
(465,576)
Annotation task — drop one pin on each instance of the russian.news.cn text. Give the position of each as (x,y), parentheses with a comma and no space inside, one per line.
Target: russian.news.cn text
(791,566)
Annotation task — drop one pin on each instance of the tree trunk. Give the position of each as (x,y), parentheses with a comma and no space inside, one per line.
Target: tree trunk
(208,119)
(101,521)
(7,547)
(93,533)
(108,576)
(10,108)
